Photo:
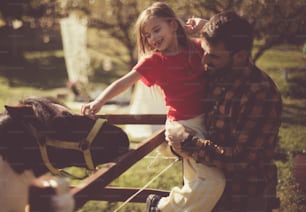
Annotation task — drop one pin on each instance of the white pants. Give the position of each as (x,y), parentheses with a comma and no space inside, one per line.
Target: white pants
(203,185)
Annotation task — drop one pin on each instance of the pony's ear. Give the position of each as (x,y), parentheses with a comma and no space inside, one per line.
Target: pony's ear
(20,111)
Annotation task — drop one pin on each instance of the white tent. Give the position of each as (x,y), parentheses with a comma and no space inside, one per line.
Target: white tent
(145,100)
(74,37)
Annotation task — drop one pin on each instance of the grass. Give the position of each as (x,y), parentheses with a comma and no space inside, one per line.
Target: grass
(138,176)
(292,133)
(286,65)
(11,95)
(292,140)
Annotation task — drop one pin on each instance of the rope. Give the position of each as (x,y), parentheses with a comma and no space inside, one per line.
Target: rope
(146,185)
(158,156)
(161,157)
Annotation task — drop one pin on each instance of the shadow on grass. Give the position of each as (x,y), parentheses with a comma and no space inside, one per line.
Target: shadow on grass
(43,73)
(48,72)
(296,82)
(294,114)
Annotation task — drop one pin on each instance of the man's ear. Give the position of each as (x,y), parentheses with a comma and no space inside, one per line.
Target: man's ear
(21,112)
(241,57)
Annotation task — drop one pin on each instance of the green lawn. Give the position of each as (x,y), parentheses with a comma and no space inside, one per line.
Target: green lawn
(287,65)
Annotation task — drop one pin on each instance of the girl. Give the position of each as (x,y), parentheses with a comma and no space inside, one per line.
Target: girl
(170,60)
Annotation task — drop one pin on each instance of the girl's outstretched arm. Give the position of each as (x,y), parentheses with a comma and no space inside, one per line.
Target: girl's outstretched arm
(114,89)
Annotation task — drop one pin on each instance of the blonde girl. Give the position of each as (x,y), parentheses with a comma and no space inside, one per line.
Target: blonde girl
(172,61)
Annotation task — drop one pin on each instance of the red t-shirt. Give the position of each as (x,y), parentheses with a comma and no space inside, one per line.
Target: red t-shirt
(181,80)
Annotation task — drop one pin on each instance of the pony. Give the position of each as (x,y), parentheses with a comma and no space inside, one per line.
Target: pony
(42,134)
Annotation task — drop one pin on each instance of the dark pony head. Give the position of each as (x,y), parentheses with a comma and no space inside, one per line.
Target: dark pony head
(46,109)
(53,120)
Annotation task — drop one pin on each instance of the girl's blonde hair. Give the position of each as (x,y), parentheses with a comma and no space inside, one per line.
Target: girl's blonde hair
(159,10)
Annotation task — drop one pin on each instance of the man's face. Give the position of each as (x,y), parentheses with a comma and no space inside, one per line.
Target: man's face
(216,58)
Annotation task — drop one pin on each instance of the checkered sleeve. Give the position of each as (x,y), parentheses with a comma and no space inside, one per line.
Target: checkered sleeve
(253,131)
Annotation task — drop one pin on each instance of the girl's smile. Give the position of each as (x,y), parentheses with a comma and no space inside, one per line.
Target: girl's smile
(161,35)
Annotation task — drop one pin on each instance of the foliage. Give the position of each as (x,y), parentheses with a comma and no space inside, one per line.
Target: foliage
(117,18)
(287,24)
(275,21)
(21,9)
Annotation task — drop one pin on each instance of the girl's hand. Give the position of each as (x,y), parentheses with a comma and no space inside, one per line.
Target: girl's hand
(90,109)
(194,25)
(175,133)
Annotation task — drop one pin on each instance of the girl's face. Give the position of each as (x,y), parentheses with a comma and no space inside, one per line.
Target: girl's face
(160,34)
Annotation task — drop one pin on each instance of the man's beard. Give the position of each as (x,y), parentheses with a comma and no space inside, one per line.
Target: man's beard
(213,71)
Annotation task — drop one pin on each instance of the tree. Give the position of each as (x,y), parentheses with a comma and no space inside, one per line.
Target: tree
(117,20)
(28,25)
(275,21)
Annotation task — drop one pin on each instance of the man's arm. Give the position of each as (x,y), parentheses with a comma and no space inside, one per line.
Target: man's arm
(254,135)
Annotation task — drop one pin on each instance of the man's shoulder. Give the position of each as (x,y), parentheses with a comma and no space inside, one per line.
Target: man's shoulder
(258,79)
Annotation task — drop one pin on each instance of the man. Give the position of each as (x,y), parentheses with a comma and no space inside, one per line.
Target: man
(242,119)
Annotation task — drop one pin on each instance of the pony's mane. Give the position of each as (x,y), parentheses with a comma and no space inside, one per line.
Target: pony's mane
(45,108)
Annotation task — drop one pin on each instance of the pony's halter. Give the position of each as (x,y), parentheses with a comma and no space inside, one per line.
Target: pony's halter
(83,146)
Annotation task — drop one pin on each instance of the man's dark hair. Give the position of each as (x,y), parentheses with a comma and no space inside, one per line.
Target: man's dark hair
(231,29)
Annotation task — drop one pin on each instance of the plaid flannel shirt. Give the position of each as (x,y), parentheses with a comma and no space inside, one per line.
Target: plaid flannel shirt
(242,123)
